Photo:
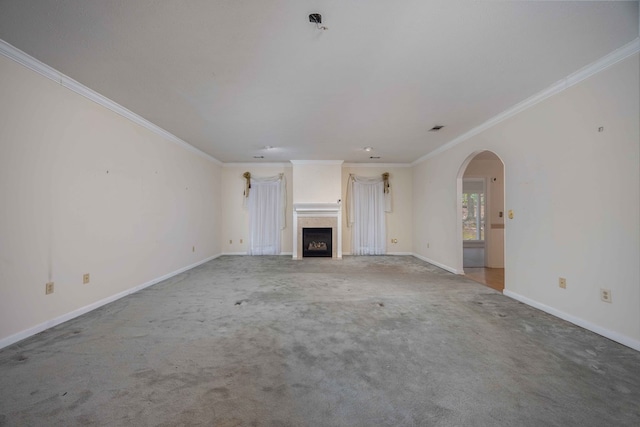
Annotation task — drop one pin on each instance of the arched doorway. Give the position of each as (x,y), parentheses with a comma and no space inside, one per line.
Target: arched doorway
(481,218)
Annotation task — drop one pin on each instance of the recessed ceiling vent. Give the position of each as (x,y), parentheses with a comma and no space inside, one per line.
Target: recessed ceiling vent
(436,128)
(316,18)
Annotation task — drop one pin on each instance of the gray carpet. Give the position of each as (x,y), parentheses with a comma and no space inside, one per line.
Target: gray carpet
(366,341)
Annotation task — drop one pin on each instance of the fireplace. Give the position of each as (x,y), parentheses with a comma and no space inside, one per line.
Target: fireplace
(317,215)
(316,242)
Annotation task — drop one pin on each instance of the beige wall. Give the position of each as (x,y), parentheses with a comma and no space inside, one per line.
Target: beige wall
(575,193)
(399,220)
(84,190)
(235,216)
(316,181)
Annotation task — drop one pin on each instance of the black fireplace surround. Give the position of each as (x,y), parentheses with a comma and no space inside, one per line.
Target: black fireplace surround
(316,242)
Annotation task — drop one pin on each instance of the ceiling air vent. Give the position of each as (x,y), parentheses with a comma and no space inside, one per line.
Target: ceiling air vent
(316,18)
(436,128)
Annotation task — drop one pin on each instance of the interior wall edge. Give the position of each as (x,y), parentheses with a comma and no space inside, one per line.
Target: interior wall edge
(19,336)
(614,336)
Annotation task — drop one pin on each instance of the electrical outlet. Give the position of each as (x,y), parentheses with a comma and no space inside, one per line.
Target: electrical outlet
(562,282)
(240,240)
(230,242)
(394,240)
(605,295)
(85,278)
(48,288)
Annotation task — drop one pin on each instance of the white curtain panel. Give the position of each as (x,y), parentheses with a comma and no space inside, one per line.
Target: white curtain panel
(267,201)
(368,216)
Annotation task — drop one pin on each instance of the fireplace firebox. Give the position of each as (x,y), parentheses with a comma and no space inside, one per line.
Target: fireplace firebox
(316,242)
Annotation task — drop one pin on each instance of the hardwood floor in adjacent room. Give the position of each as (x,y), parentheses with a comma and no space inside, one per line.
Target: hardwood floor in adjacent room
(491,277)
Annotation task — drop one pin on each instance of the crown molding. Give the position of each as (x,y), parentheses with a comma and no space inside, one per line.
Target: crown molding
(572,79)
(257,165)
(43,69)
(39,67)
(377,165)
(317,162)
(304,162)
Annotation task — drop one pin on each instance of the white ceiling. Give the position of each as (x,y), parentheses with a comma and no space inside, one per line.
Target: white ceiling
(231,76)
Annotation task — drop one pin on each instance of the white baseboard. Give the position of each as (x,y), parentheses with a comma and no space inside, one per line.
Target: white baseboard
(388,253)
(4,342)
(430,261)
(437,264)
(247,253)
(614,336)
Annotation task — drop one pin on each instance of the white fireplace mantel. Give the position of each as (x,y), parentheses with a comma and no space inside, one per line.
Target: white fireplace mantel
(317,210)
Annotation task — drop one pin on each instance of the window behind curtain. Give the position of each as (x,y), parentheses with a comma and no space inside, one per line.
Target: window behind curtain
(369,231)
(265,216)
